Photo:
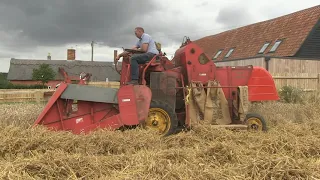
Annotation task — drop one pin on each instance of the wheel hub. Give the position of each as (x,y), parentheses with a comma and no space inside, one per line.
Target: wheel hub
(255,123)
(154,123)
(254,126)
(158,119)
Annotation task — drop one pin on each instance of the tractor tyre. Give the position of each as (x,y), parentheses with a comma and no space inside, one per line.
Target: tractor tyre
(255,122)
(162,117)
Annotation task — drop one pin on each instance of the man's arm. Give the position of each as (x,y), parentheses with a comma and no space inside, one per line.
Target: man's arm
(136,46)
(145,43)
(144,47)
(121,55)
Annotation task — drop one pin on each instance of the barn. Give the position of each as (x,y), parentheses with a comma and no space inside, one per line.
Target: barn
(287,46)
(20,71)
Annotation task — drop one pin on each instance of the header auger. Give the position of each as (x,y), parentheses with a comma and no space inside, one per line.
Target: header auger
(172,95)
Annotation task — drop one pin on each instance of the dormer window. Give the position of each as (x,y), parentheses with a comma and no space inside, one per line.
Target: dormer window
(229,53)
(275,46)
(264,47)
(218,53)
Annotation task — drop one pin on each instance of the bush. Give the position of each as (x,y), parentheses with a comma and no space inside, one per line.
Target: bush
(291,94)
(5,84)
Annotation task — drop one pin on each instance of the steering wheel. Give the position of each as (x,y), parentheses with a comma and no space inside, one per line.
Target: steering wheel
(133,51)
(116,67)
(130,51)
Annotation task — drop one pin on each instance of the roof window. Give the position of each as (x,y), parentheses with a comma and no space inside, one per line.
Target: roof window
(275,46)
(229,53)
(264,47)
(218,53)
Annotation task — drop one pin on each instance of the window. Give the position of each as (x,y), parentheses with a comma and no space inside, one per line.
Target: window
(203,59)
(264,47)
(275,46)
(229,53)
(218,53)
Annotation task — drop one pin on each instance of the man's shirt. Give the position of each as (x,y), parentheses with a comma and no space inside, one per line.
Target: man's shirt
(146,38)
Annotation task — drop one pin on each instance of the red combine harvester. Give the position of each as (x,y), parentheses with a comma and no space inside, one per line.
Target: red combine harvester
(173,94)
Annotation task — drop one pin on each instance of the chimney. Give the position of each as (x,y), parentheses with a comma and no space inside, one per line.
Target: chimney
(49,56)
(71,55)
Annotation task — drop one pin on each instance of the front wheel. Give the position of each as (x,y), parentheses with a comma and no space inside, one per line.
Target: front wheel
(162,118)
(255,122)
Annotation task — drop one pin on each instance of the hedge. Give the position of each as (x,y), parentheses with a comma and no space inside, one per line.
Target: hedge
(8,85)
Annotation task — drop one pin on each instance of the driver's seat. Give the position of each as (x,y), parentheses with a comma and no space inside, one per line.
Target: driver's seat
(156,61)
(158,56)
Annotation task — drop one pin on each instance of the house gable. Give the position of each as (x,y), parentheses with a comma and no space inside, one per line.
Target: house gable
(311,46)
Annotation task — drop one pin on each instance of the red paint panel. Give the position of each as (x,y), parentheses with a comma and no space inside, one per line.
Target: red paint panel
(195,71)
(111,123)
(49,106)
(127,105)
(261,86)
(77,123)
(143,99)
(83,124)
(134,102)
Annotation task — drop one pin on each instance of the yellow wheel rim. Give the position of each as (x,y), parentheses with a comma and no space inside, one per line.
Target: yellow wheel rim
(158,119)
(254,123)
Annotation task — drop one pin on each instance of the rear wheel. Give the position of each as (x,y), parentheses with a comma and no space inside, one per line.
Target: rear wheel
(162,118)
(255,122)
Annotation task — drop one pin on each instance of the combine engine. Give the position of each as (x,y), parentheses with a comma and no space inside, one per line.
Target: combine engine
(173,95)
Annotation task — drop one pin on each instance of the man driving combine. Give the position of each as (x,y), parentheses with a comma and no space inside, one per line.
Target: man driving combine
(148,47)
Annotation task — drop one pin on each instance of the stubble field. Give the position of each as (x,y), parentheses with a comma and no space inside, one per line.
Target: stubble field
(289,150)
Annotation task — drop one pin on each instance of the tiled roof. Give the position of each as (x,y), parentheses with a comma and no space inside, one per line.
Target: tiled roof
(248,40)
(21,69)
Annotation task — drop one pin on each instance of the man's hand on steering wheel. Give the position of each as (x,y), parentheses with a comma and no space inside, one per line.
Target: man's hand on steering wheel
(123,54)
(117,58)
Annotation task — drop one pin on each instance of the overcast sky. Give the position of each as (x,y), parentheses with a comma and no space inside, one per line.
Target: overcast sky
(33,28)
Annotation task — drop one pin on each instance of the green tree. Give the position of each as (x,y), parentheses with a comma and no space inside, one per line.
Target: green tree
(44,74)
(4,83)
